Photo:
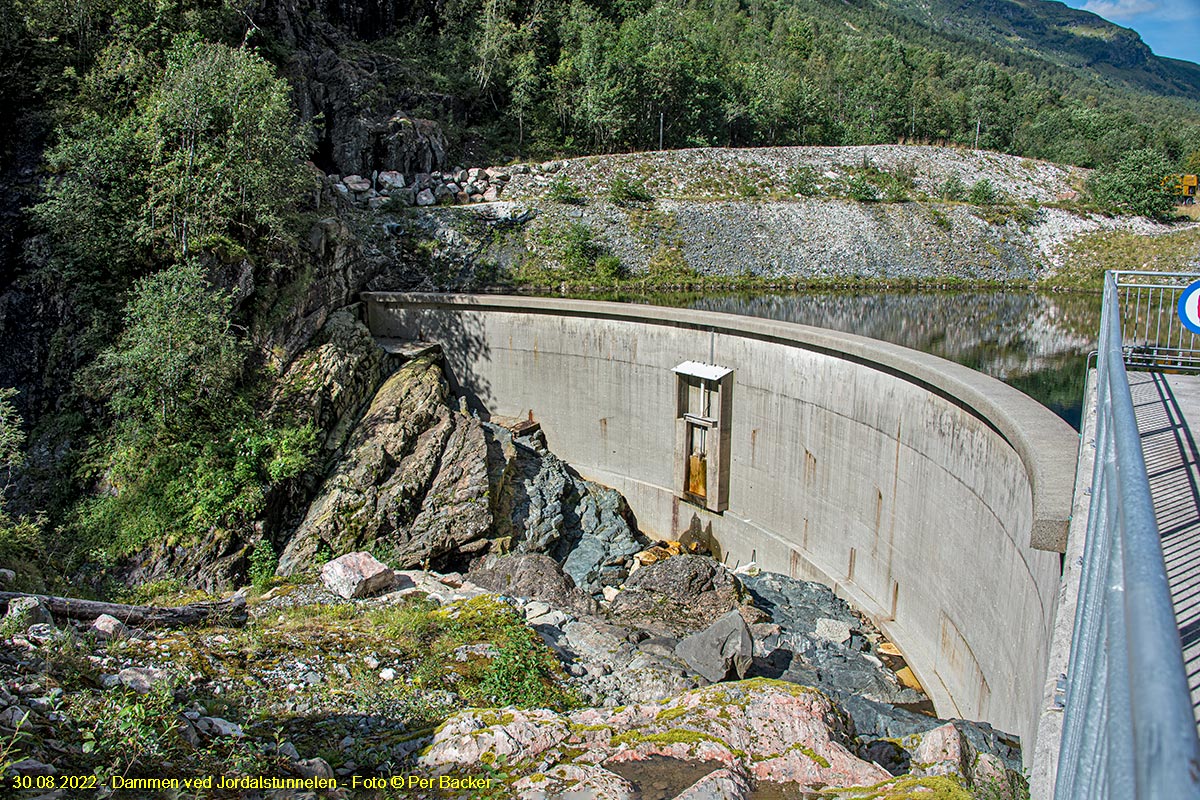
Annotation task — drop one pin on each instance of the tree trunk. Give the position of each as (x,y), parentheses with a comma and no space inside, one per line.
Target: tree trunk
(230,612)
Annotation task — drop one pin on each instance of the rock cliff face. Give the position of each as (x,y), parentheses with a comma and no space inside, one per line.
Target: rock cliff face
(421,482)
(542,507)
(361,96)
(413,480)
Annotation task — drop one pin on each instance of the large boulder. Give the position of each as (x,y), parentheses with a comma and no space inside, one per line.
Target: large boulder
(765,730)
(681,595)
(543,507)
(357,575)
(721,650)
(412,482)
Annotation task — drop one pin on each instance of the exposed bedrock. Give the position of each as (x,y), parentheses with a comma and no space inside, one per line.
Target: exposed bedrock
(420,482)
(413,480)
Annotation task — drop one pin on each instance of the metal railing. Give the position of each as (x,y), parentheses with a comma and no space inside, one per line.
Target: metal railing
(1128,730)
(1154,338)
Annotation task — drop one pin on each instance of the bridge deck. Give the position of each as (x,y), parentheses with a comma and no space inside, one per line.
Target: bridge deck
(1168,414)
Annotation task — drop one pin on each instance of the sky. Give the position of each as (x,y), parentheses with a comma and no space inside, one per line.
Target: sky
(1170,27)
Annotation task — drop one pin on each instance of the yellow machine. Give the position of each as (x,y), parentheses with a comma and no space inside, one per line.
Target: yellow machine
(1185,187)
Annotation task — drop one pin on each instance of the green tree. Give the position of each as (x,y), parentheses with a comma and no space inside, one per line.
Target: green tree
(223,146)
(11,438)
(204,158)
(178,357)
(1138,184)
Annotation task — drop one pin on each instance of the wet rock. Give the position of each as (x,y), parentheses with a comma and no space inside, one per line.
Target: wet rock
(722,784)
(721,650)
(532,575)
(26,611)
(357,575)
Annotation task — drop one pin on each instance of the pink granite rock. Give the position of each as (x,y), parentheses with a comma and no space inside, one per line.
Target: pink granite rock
(357,575)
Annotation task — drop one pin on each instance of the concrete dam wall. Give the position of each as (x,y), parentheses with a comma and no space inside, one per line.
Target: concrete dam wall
(931,496)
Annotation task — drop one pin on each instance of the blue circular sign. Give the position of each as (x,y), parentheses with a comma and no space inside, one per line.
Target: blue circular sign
(1189,307)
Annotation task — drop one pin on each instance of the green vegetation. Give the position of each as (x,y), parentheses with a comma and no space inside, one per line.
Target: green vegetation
(20,537)
(982,193)
(626,192)
(584,76)
(1137,184)
(174,165)
(562,190)
(1090,255)
(904,787)
(474,653)
(188,452)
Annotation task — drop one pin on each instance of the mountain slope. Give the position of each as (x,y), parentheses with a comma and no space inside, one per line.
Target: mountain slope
(1079,40)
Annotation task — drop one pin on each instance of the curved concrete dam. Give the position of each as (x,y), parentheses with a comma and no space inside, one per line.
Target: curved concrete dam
(931,496)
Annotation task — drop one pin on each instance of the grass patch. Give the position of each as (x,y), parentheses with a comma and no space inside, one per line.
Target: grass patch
(904,787)
(1088,256)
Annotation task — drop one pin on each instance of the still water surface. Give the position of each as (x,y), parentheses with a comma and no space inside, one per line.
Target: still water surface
(1037,343)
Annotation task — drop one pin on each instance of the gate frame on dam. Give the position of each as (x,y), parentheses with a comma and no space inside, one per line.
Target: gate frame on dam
(933,497)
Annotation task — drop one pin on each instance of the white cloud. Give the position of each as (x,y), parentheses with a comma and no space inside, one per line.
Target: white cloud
(1158,10)
(1123,9)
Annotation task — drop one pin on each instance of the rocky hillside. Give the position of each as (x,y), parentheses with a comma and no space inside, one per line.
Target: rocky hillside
(798,214)
(687,682)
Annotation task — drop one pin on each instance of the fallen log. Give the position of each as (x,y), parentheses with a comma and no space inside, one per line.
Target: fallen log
(231,612)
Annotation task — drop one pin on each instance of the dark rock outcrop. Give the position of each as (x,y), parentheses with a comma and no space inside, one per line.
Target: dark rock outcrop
(543,507)
(532,575)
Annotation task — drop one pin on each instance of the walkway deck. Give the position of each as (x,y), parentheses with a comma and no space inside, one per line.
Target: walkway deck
(1168,414)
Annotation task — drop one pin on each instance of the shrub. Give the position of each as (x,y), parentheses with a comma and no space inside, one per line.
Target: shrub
(952,189)
(982,193)
(263,562)
(894,192)
(562,190)
(1138,184)
(803,181)
(861,189)
(625,192)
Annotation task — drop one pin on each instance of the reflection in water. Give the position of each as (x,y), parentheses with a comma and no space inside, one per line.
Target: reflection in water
(1035,342)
